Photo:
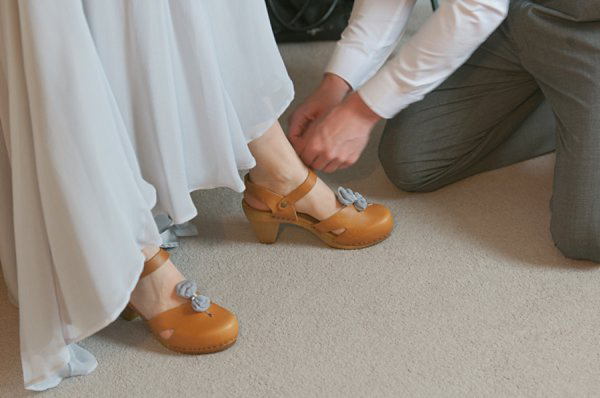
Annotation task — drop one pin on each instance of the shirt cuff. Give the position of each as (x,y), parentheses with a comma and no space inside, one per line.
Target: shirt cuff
(351,64)
(384,97)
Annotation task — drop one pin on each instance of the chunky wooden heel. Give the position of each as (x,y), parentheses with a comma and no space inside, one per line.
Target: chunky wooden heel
(129,314)
(264,226)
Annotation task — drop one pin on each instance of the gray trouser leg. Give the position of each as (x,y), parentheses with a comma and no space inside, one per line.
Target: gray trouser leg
(562,51)
(490,113)
(534,85)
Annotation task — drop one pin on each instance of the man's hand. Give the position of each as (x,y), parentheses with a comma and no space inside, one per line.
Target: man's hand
(337,140)
(329,94)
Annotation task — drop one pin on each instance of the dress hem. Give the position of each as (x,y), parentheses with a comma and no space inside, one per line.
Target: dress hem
(239,188)
(90,331)
(113,317)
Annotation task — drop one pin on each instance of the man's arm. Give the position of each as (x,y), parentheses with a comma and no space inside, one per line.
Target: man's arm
(444,43)
(373,31)
(448,38)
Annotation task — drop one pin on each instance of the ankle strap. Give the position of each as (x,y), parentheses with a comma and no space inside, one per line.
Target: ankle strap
(282,206)
(155,263)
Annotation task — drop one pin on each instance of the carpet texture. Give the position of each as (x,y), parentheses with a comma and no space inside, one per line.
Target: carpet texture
(468,298)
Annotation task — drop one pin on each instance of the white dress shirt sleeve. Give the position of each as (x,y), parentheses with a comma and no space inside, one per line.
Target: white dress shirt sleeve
(373,32)
(442,44)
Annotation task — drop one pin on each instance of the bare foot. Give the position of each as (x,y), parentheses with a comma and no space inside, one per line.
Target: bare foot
(155,293)
(319,203)
(279,169)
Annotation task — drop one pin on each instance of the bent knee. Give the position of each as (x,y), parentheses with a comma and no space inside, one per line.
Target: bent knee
(406,176)
(410,174)
(407,160)
(579,240)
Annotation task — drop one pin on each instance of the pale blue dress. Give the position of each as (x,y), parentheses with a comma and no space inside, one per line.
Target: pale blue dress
(112,111)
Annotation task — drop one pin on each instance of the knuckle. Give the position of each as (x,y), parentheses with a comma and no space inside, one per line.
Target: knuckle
(315,147)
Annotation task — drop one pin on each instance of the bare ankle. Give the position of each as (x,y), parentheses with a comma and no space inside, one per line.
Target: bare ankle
(254,202)
(150,251)
(280,181)
(155,292)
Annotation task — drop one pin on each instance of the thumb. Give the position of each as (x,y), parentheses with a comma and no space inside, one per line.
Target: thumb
(298,142)
(309,135)
(297,125)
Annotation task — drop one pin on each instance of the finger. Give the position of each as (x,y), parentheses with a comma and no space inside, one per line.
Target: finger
(299,141)
(308,155)
(344,165)
(333,166)
(347,164)
(306,146)
(320,162)
(298,144)
(298,123)
(353,159)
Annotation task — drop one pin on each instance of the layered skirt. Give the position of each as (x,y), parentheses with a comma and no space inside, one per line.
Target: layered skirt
(112,111)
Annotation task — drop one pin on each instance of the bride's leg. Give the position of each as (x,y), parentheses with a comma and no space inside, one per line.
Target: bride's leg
(155,293)
(184,320)
(279,169)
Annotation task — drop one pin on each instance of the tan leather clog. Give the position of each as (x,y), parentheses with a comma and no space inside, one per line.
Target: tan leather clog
(199,326)
(363,224)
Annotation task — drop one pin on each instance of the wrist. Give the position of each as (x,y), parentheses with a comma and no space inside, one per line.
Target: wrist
(334,84)
(357,106)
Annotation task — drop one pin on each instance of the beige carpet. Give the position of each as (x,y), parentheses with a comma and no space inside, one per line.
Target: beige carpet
(467,298)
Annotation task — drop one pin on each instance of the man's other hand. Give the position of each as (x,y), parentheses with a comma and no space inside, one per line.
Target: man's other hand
(328,95)
(337,139)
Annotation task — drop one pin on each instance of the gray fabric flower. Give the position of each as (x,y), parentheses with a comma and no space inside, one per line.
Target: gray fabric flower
(188,290)
(348,197)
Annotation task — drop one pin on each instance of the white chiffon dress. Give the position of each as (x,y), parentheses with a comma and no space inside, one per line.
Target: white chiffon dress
(112,111)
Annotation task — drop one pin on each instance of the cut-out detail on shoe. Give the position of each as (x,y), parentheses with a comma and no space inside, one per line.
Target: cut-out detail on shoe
(167,334)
